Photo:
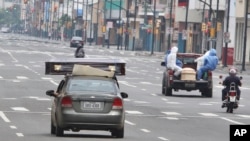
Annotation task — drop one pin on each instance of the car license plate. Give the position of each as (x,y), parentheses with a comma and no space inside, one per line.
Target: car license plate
(92,105)
(189,85)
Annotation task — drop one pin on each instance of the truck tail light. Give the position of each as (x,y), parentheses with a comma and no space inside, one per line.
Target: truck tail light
(117,103)
(171,75)
(209,74)
(66,102)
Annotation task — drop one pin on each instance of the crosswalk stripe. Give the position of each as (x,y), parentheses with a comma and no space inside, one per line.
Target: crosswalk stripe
(208,114)
(20,109)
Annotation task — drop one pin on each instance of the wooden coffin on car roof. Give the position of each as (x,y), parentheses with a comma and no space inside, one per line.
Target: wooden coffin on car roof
(65,66)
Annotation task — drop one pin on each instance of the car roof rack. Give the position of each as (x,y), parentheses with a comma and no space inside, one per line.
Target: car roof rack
(66,66)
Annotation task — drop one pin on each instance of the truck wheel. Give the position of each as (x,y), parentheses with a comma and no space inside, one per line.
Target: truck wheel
(163,85)
(207,92)
(167,90)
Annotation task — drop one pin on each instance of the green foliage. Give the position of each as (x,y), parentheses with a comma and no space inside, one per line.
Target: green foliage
(10,15)
(63,20)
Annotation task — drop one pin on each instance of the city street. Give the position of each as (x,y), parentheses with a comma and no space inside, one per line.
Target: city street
(150,116)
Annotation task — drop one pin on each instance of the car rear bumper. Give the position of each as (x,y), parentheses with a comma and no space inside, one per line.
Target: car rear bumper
(92,121)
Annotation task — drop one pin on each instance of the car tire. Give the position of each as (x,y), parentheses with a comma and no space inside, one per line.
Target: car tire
(59,131)
(118,133)
(52,128)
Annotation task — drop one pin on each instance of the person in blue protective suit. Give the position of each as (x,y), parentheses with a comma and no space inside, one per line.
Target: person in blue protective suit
(210,63)
(178,62)
(171,62)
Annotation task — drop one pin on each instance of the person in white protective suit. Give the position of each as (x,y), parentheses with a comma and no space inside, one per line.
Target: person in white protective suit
(200,60)
(171,59)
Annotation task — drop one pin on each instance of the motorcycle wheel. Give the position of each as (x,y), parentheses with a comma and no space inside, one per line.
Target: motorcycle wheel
(230,107)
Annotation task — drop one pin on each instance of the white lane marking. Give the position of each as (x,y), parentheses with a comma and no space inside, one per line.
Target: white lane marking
(16,81)
(46,78)
(126,83)
(142,102)
(246,88)
(164,99)
(43,99)
(153,94)
(49,109)
(173,102)
(146,83)
(2,115)
(1,77)
(13,127)
(208,114)
(145,130)
(20,109)
(15,60)
(162,138)
(172,118)
(18,65)
(19,134)
(53,82)
(143,89)
(21,77)
(2,64)
(235,122)
(244,116)
(133,112)
(171,113)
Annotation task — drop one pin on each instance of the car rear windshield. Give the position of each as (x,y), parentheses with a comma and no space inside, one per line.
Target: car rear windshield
(83,85)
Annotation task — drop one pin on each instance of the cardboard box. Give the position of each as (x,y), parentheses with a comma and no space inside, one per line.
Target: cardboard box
(188,74)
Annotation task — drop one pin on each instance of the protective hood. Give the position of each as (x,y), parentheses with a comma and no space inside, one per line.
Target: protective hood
(212,52)
(174,50)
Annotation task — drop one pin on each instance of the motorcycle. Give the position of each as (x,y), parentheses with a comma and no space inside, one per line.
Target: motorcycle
(79,53)
(231,101)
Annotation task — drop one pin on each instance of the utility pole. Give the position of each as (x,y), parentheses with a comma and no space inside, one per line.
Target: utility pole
(110,14)
(170,25)
(227,26)
(245,36)
(153,32)
(91,16)
(186,25)
(97,25)
(127,26)
(86,21)
(216,22)
(119,33)
(135,13)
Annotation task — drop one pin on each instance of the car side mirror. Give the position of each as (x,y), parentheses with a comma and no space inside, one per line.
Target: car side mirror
(50,93)
(124,95)
(163,64)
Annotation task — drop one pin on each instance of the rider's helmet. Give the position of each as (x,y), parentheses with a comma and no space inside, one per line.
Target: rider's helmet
(232,71)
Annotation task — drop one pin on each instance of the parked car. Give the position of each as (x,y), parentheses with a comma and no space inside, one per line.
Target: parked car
(76,40)
(5,30)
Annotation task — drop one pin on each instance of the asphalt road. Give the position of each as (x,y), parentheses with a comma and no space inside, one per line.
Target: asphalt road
(150,116)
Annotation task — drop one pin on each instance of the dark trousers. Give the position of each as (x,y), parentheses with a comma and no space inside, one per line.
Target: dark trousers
(225,91)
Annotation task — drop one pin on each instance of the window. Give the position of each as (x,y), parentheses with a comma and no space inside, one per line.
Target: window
(81,85)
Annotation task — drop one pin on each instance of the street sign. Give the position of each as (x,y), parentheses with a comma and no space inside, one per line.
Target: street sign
(184,34)
(227,37)
(169,31)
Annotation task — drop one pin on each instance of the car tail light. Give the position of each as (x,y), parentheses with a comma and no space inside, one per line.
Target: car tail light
(232,93)
(66,102)
(117,104)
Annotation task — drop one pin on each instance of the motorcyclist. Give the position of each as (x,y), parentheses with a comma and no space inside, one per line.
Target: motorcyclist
(228,80)
(79,53)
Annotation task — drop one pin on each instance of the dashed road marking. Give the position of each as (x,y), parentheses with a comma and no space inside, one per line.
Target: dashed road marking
(130,123)
(20,109)
(208,114)
(235,122)
(13,127)
(171,113)
(134,112)
(162,138)
(21,77)
(2,115)
(19,134)
(145,130)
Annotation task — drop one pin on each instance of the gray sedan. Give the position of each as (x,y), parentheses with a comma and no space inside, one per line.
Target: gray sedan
(88,103)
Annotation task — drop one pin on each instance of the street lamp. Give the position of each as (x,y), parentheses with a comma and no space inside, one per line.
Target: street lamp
(155,14)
